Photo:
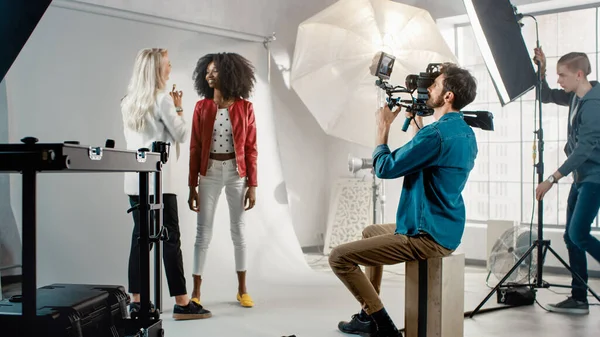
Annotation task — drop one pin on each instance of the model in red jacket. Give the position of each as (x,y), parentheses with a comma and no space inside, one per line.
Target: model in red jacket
(223,154)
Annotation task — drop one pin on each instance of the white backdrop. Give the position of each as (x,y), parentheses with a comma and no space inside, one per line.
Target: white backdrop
(10,243)
(66,85)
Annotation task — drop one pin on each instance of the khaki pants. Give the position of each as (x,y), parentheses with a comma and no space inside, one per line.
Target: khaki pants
(379,247)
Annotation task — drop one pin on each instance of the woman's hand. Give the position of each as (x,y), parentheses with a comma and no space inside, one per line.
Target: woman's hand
(250,198)
(176,95)
(194,200)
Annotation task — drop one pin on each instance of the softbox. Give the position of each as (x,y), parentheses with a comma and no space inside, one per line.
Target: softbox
(498,34)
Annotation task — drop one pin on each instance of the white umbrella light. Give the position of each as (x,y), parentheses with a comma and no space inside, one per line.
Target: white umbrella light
(334,48)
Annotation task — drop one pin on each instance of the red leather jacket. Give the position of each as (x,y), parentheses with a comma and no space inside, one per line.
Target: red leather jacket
(243,123)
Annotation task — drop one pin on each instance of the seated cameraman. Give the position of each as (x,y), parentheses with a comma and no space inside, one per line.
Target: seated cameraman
(430,219)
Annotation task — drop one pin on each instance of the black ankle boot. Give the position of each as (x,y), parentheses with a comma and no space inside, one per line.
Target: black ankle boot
(385,325)
(364,316)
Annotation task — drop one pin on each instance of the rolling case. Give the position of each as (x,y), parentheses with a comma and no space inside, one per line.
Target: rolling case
(69,310)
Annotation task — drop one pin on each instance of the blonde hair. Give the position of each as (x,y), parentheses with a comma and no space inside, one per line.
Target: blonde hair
(144,84)
(576,61)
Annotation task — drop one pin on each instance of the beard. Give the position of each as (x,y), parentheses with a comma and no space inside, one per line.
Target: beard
(435,102)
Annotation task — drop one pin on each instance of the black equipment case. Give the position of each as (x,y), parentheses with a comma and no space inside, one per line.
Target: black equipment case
(69,310)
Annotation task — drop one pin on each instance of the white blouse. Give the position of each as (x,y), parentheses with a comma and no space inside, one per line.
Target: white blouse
(164,125)
(222,137)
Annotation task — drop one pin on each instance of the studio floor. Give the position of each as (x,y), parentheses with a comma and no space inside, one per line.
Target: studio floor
(311,303)
(311,306)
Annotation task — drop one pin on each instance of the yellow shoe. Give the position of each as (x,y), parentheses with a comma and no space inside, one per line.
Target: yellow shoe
(197,300)
(245,300)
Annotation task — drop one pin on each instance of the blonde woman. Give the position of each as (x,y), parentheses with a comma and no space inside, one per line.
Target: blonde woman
(151,113)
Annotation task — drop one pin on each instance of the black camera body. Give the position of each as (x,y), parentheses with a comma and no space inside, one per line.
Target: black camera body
(420,83)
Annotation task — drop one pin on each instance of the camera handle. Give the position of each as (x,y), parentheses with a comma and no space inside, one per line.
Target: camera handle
(406,123)
(391,102)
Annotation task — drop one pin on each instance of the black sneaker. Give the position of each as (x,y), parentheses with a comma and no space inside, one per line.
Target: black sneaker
(358,325)
(190,311)
(570,306)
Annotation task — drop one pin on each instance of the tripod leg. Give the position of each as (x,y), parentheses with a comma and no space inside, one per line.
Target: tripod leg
(539,283)
(573,273)
(503,279)
(544,255)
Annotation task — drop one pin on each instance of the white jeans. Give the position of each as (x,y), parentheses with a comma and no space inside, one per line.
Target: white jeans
(218,175)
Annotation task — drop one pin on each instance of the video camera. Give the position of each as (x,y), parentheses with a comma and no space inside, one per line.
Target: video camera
(419,83)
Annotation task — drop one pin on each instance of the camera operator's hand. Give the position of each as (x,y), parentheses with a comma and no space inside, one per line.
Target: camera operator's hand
(541,57)
(385,116)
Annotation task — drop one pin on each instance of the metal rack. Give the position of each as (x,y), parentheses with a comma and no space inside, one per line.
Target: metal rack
(31,158)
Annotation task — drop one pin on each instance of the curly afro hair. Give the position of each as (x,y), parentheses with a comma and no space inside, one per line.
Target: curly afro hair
(236,75)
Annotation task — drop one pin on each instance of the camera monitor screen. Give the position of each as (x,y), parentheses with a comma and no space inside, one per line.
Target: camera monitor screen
(386,64)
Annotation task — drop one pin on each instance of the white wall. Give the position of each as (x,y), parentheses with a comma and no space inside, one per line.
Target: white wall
(66,85)
(253,17)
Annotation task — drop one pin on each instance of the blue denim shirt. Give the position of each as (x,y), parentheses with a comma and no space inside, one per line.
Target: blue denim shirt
(435,164)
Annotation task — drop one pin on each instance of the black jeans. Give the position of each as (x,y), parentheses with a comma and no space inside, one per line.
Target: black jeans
(172,256)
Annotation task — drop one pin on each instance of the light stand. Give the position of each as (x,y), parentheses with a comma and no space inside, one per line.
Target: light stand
(542,245)
(357,164)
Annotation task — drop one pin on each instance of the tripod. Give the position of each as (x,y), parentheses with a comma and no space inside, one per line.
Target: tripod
(543,246)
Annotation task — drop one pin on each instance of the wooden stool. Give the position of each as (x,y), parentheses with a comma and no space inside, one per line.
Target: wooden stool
(434,304)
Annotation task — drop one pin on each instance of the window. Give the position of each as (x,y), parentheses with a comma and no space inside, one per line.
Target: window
(502,185)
